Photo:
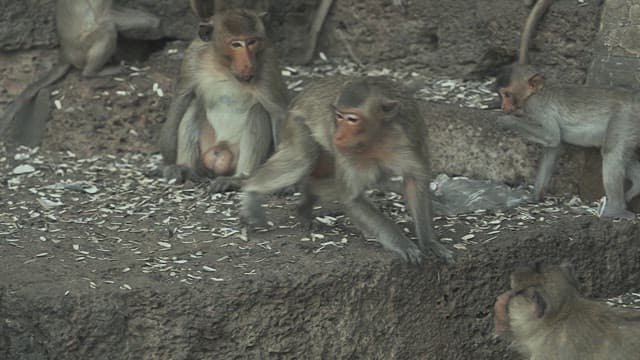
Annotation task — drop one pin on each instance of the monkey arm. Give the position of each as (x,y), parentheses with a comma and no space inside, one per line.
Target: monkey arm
(373,223)
(548,136)
(274,98)
(168,141)
(417,195)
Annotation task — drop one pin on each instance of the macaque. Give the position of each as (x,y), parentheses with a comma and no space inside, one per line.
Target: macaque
(88,32)
(546,318)
(343,135)
(224,119)
(578,115)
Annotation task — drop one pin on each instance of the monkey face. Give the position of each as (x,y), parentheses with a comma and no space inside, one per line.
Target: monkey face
(243,52)
(350,130)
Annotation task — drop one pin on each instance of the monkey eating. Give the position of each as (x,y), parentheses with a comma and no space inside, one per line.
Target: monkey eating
(341,136)
(545,317)
(584,116)
(224,119)
(87,31)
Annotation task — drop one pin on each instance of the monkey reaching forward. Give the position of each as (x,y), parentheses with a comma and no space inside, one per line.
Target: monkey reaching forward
(546,319)
(224,119)
(341,136)
(583,116)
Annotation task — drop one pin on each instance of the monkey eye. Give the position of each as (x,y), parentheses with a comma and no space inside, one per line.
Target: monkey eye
(352,118)
(251,42)
(236,44)
(506,94)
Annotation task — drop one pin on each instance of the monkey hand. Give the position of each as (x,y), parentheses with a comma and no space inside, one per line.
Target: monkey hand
(441,251)
(225,183)
(178,173)
(506,121)
(409,251)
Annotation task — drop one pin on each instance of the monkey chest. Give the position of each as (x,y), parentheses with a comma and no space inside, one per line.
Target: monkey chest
(228,110)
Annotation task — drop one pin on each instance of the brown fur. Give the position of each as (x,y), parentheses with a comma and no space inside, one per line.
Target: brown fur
(546,318)
(386,140)
(232,83)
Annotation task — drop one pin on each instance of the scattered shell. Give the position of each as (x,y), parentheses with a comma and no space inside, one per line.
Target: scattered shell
(23,169)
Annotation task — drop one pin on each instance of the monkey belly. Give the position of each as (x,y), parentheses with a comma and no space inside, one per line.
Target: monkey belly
(228,112)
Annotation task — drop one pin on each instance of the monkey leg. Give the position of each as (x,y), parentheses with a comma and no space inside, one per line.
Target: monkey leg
(100,51)
(633,174)
(613,176)
(419,203)
(373,223)
(545,169)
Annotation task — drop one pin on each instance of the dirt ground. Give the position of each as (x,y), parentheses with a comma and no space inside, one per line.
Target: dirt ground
(101,261)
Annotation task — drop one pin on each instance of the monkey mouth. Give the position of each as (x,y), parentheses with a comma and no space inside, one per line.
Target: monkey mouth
(245,78)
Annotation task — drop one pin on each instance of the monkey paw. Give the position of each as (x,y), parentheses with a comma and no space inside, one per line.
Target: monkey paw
(442,252)
(506,121)
(412,254)
(224,184)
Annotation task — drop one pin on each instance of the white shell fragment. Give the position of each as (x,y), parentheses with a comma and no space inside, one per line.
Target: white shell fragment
(23,169)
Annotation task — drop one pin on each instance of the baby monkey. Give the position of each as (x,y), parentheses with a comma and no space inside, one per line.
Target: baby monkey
(343,135)
(545,317)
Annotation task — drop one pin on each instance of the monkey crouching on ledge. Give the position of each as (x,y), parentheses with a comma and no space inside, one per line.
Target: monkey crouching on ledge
(545,318)
(343,135)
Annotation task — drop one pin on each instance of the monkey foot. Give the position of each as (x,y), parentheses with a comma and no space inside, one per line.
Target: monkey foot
(442,252)
(224,184)
(620,214)
(411,253)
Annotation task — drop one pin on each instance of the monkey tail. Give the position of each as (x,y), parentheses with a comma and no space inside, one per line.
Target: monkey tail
(30,92)
(536,13)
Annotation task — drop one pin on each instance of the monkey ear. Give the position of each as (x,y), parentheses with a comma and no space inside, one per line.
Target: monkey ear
(539,304)
(205,31)
(536,82)
(390,107)
(265,16)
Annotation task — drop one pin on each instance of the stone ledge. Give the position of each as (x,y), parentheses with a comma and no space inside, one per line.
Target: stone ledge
(358,302)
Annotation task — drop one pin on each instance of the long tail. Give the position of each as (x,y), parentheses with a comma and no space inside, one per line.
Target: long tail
(536,13)
(25,97)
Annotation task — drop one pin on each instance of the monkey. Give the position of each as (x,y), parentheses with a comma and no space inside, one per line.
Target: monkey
(584,116)
(87,31)
(229,80)
(341,136)
(545,317)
